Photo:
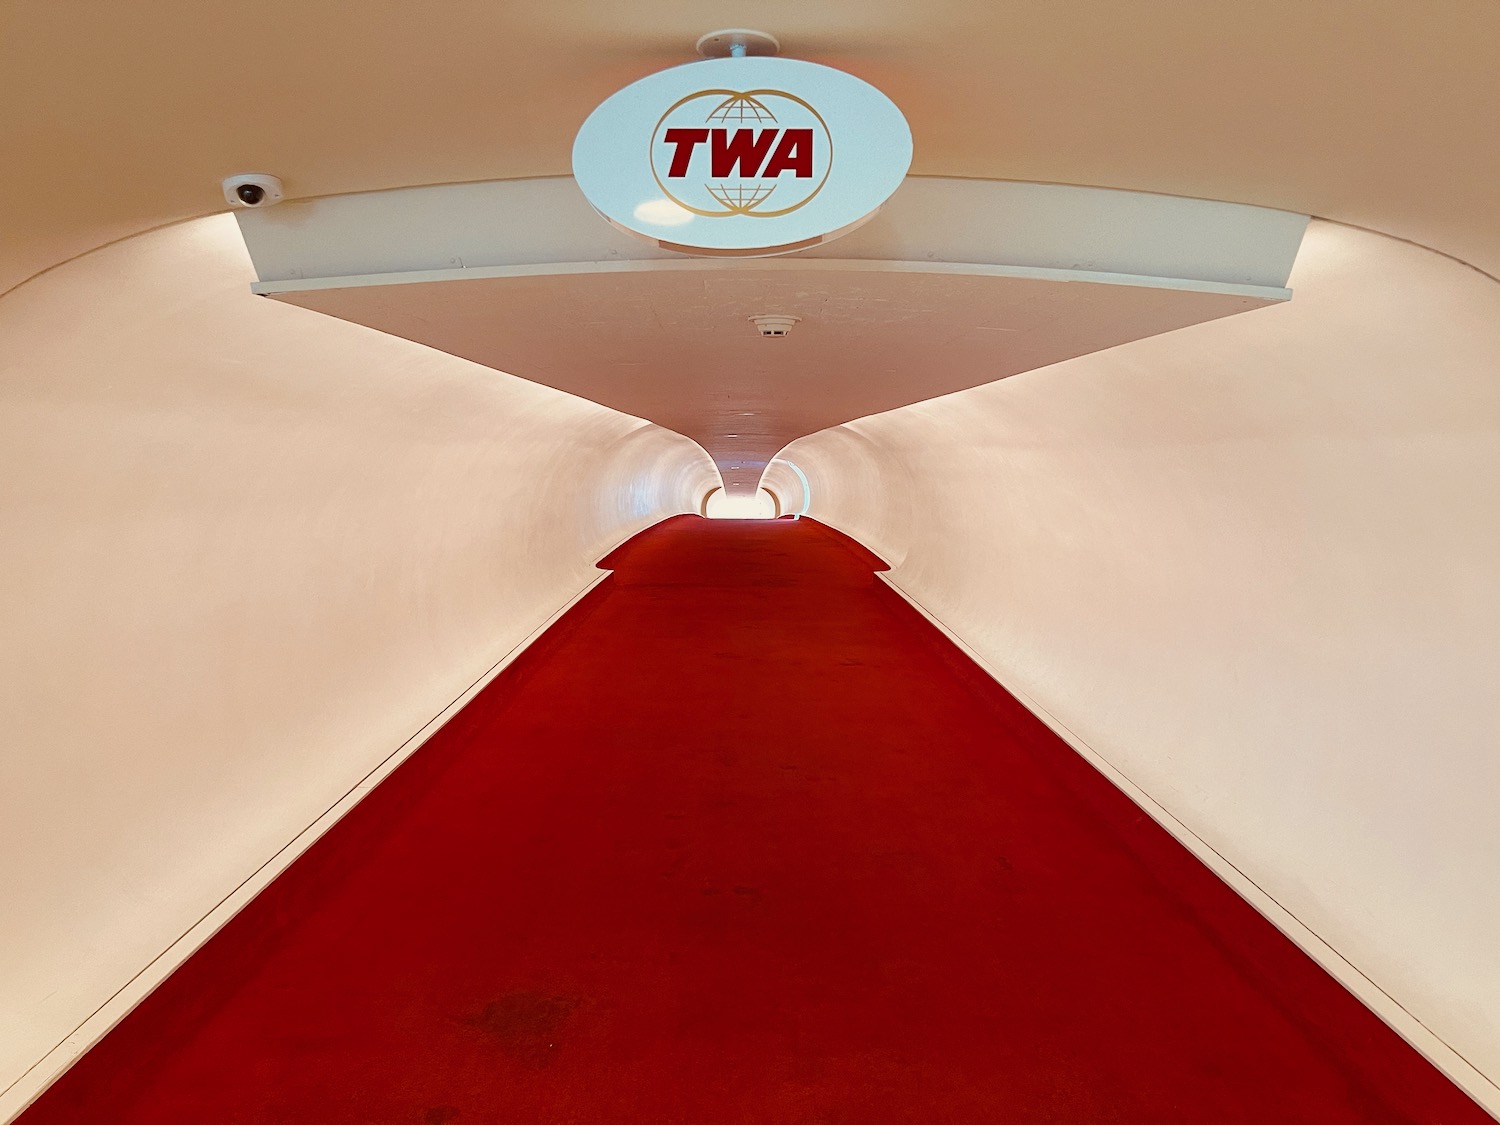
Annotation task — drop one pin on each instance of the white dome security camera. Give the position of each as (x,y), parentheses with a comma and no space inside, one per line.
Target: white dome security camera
(252,189)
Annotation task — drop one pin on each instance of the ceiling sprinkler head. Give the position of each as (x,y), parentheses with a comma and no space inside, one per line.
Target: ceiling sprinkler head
(774,325)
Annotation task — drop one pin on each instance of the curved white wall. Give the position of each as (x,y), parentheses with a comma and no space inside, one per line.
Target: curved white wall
(247,551)
(1255,566)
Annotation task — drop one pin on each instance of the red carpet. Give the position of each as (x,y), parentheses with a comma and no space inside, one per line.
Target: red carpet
(743,840)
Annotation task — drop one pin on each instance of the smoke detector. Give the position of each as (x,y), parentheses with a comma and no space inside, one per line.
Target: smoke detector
(774,326)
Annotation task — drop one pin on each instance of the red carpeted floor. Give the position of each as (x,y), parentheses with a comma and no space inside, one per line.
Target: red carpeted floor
(744,840)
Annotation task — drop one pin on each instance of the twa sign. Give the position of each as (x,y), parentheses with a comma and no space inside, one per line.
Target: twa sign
(742,156)
(754,152)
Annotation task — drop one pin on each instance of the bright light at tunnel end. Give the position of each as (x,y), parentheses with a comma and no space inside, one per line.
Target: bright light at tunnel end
(757,507)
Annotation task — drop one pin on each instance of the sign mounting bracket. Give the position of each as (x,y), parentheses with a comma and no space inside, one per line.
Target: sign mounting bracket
(737,43)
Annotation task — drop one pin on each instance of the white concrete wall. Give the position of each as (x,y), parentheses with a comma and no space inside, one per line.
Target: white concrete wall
(1255,566)
(245,552)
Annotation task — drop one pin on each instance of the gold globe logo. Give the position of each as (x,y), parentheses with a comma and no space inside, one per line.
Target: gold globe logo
(753,153)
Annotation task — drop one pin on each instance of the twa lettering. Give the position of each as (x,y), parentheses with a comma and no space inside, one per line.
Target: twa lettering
(745,150)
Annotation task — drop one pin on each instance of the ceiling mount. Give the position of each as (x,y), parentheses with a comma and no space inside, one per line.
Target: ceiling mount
(737,43)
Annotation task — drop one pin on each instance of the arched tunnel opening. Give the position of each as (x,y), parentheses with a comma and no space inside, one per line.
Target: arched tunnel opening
(1109,736)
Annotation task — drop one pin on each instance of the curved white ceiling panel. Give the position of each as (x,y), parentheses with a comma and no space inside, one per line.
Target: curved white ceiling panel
(956,283)
(415,232)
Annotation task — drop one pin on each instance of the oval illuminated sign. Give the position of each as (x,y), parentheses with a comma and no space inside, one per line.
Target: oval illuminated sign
(742,156)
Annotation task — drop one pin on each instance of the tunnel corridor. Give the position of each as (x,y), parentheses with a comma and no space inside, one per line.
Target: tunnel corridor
(743,838)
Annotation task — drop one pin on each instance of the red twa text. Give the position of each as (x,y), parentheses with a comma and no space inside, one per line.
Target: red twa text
(757,153)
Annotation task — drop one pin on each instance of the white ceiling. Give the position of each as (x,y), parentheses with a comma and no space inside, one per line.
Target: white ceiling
(116,117)
(677,346)
(954,284)
(120,118)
